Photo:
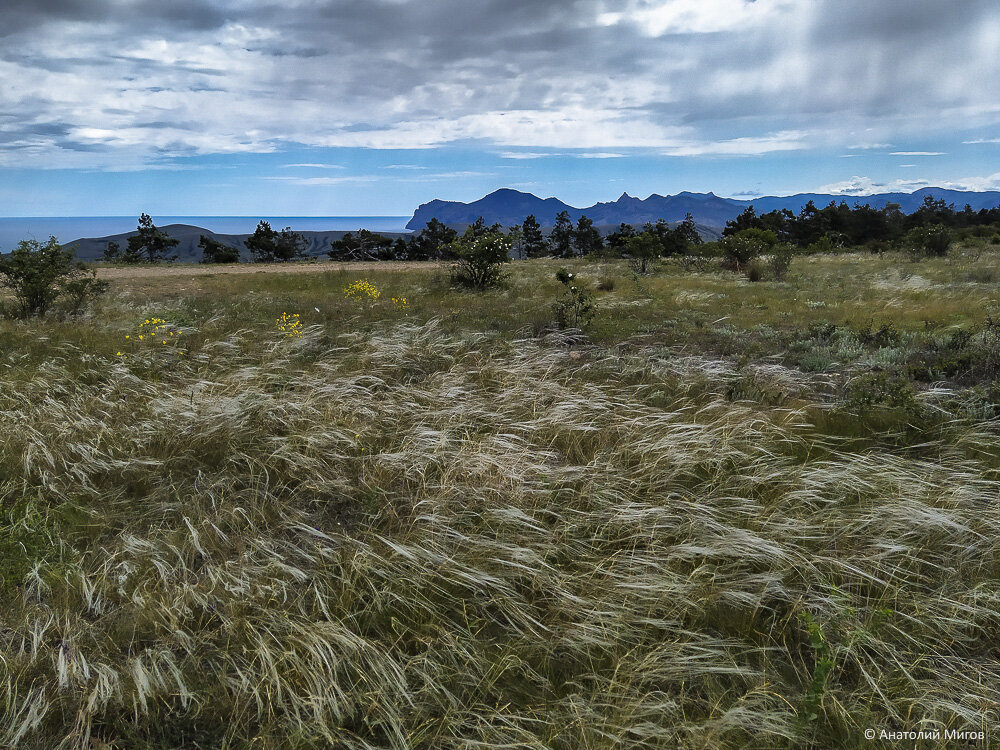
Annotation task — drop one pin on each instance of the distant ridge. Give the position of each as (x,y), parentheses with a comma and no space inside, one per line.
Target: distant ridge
(507,206)
(187,250)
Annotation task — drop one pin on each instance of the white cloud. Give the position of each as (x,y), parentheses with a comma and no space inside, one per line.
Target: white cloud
(866,185)
(657,17)
(789,140)
(524,155)
(869,145)
(312,166)
(983,140)
(917,153)
(325,181)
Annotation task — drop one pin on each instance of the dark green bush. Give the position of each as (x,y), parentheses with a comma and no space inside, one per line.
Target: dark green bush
(880,390)
(214,251)
(932,242)
(746,245)
(479,259)
(40,274)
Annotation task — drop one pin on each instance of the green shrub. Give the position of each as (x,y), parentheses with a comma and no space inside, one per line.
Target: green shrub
(606,284)
(746,245)
(932,242)
(575,309)
(214,251)
(823,245)
(80,290)
(879,338)
(642,252)
(39,274)
(755,270)
(880,390)
(479,260)
(780,261)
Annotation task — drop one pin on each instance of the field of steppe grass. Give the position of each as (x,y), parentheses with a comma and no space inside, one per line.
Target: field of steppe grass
(725,515)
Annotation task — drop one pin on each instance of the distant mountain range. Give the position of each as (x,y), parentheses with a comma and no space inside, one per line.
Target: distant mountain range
(187,250)
(509,207)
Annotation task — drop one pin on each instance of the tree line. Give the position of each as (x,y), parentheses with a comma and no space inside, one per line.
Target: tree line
(932,228)
(839,225)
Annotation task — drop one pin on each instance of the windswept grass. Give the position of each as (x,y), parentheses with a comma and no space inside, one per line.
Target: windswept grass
(402,529)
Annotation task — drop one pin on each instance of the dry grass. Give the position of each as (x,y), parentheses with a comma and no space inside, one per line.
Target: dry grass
(414,535)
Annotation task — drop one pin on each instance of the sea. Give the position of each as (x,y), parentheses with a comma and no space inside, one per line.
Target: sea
(69,228)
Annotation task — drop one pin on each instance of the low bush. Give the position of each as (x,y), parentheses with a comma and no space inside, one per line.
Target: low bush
(755,270)
(39,275)
(928,242)
(575,309)
(479,260)
(746,245)
(880,390)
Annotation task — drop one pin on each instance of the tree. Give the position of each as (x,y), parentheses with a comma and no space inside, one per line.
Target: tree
(534,240)
(432,241)
(401,249)
(642,251)
(515,236)
(746,245)
(746,220)
(618,238)
(686,234)
(365,245)
(479,258)
(149,241)
(214,251)
(561,236)
(269,246)
(586,239)
(39,274)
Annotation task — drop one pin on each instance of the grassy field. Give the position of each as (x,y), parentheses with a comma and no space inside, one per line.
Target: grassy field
(725,515)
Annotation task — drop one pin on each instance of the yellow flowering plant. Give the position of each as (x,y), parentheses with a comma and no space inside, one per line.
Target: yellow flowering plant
(289,324)
(362,289)
(150,331)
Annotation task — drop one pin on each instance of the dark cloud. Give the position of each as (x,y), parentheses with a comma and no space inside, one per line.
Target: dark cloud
(422,72)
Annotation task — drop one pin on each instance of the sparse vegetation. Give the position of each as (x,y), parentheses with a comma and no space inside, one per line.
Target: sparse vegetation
(730,515)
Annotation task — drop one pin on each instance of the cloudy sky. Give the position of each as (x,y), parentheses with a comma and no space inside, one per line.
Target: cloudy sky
(370,107)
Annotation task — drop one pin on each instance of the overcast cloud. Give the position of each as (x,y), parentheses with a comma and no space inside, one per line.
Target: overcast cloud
(119,83)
